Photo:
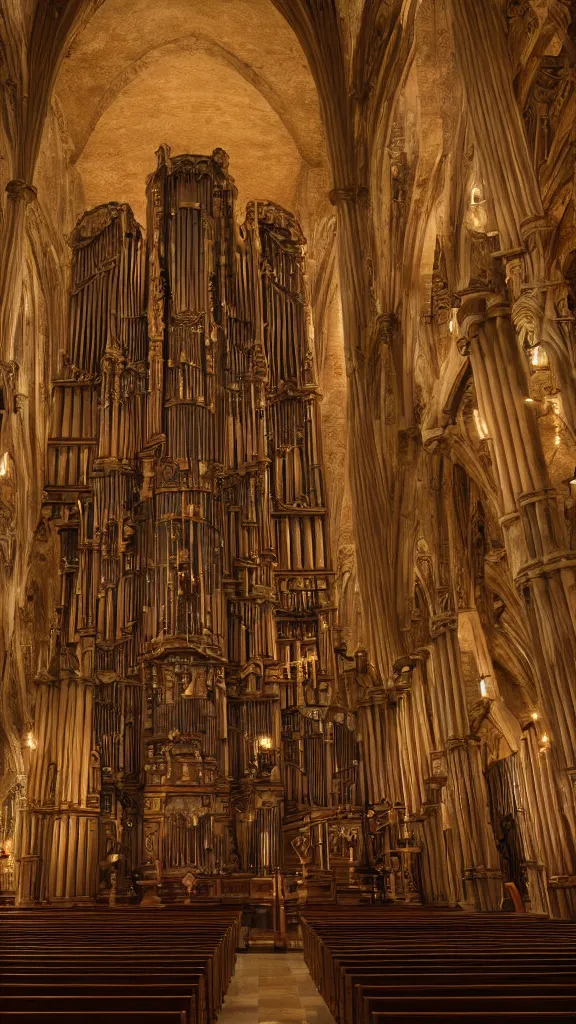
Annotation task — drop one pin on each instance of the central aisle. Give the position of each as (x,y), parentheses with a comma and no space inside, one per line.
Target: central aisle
(273,988)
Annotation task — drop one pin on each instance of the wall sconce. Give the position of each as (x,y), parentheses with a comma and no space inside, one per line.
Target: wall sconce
(265,743)
(538,356)
(534,716)
(475,197)
(30,741)
(483,688)
(544,743)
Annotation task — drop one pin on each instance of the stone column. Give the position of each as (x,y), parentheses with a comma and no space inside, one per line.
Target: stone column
(11,267)
(543,565)
(475,847)
(364,335)
(422,785)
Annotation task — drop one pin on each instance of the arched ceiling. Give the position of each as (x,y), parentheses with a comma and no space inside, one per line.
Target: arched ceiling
(195,74)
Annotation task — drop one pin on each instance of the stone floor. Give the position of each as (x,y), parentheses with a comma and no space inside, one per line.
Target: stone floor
(273,988)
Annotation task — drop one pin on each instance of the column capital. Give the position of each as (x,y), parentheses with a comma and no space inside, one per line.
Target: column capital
(443,624)
(476,307)
(18,191)
(538,225)
(472,312)
(348,194)
(437,439)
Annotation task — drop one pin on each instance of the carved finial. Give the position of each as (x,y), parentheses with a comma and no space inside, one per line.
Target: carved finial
(163,155)
(221,159)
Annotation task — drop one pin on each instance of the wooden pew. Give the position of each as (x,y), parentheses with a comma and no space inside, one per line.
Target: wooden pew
(372,963)
(128,963)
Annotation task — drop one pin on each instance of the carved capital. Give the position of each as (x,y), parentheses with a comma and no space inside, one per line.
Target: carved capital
(442,623)
(402,674)
(348,194)
(536,226)
(472,313)
(438,767)
(18,190)
(435,439)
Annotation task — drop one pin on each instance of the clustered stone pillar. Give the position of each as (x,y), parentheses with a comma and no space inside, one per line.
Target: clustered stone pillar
(542,564)
(20,195)
(474,846)
(363,330)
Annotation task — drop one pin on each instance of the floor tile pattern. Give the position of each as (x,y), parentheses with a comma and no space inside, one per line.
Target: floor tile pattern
(273,988)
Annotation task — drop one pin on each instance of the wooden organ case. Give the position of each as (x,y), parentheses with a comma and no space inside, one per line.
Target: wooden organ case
(185,483)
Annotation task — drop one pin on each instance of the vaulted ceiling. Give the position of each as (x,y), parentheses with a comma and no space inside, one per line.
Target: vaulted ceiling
(226,73)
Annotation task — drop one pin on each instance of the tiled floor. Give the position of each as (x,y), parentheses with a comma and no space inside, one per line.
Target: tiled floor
(273,988)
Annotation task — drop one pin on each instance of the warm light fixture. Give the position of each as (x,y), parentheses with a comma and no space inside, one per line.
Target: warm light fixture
(545,738)
(483,688)
(529,401)
(538,356)
(475,197)
(480,425)
(535,716)
(557,440)
(265,743)
(30,741)
(4,464)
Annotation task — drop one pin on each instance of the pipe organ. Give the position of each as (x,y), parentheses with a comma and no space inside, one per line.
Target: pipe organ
(195,724)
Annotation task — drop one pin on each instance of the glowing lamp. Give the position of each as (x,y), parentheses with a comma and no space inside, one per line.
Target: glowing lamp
(483,688)
(265,743)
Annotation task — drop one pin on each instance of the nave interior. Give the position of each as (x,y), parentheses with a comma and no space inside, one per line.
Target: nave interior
(288,508)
